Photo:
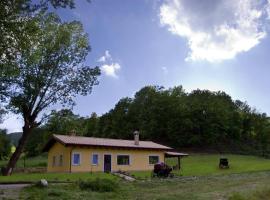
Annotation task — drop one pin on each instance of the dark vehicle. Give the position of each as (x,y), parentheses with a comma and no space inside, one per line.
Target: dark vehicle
(162,170)
(223,163)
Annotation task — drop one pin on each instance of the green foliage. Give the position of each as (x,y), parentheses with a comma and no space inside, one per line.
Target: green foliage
(34,145)
(51,67)
(201,118)
(55,177)
(17,26)
(5,145)
(237,196)
(64,121)
(91,125)
(33,162)
(48,68)
(99,185)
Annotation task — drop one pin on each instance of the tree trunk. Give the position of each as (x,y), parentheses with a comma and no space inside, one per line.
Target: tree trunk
(19,149)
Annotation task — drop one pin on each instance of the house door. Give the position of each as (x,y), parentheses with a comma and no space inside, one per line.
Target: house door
(107,163)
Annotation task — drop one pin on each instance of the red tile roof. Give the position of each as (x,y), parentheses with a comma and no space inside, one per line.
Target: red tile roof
(104,142)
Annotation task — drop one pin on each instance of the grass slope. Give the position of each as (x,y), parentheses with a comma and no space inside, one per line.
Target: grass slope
(201,165)
(56,177)
(197,165)
(39,161)
(194,165)
(234,187)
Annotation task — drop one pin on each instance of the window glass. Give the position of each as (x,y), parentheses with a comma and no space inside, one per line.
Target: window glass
(76,159)
(123,160)
(61,160)
(153,160)
(94,159)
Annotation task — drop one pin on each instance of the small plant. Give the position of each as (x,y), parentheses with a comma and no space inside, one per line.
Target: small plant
(54,194)
(99,185)
(236,196)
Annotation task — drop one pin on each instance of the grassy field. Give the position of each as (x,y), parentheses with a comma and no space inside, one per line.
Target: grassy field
(194,165)
(247,179)
(244,186)
(56,177)
(201,165)
(39,161)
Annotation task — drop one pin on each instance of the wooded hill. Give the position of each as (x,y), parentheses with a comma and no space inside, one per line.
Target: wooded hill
(200,119)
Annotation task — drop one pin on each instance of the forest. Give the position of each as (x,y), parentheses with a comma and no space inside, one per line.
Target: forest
(200,119)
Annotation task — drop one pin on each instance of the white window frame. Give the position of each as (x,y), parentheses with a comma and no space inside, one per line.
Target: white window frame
(75,164)
(155,156)
(98,159)
(123,155)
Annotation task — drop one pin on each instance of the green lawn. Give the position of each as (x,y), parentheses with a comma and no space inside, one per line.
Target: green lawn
(197,165)
(194,165)
(247,179)
(39,161)
(244,186)
(204,164)
(33,177)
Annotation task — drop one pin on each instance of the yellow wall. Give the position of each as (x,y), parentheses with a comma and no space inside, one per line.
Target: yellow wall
(56,150)
(139,159)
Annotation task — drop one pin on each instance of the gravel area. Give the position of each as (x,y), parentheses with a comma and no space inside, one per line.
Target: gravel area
(11,191)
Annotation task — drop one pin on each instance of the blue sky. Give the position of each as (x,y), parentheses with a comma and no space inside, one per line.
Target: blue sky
(210,44)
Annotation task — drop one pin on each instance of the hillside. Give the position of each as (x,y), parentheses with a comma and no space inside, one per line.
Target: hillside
(14,137)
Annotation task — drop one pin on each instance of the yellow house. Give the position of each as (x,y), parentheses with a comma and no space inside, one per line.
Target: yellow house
(89,154)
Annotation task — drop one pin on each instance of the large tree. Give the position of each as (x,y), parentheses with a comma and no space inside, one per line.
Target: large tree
(50,70)
(15,16)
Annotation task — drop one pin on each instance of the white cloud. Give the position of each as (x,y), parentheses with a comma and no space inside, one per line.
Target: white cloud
(165,70)
(216,30)
(12,123)
(109,68)
(106,57)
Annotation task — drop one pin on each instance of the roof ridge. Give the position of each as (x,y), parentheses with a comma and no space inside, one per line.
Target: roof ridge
(101,138)
(105,142)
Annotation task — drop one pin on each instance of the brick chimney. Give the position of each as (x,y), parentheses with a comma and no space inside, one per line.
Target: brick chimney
(72,132)
(136,137)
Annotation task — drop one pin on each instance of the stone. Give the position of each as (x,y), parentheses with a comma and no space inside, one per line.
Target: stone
(43,183)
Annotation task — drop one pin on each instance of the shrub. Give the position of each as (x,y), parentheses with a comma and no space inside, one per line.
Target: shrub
(236,196)
(54,193)
(99,185)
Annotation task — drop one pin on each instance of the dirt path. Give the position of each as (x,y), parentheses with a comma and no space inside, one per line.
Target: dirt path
(11,191)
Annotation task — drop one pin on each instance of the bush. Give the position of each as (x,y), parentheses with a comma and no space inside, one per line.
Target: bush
(236,196)
(99,185)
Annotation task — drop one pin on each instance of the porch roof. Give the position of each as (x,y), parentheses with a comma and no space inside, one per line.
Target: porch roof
(169,154)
